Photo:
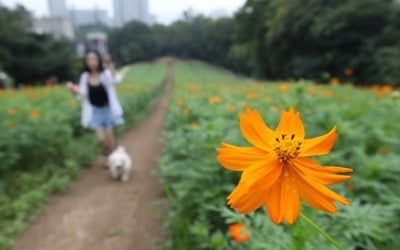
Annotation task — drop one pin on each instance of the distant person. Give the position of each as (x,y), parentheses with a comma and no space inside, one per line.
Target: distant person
(101,109)
(3,77)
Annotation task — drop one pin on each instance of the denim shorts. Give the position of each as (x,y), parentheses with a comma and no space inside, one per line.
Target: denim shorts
(101,118)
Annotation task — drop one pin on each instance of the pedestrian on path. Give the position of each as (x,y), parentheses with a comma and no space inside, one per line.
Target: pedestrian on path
(101,109)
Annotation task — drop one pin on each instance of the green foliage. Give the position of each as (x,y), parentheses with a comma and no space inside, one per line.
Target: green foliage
(43,154)
(197,186)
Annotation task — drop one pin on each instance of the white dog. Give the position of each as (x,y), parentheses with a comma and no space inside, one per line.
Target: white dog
(120,164)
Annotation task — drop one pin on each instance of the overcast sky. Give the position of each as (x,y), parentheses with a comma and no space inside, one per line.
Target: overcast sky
(165,10)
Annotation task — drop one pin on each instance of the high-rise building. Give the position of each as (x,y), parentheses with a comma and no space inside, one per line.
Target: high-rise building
(86,17)
(128,10)
(57,8)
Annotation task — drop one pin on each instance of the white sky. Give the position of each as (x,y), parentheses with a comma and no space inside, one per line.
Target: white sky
(165,10)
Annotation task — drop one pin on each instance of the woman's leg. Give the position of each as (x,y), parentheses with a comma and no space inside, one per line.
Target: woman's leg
(102,139)
(110,138)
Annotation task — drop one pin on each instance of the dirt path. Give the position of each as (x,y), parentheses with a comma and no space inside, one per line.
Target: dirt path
(99,213)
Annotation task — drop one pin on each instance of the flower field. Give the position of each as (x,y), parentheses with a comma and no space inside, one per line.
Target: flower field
(203,112)
(43,146)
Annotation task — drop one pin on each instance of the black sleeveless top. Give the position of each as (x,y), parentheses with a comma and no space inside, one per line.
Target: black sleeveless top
(98,95)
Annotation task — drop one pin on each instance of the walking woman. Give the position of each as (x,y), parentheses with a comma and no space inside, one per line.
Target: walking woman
(101,109)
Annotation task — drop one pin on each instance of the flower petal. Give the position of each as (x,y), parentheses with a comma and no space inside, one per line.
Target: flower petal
(282,200)
(291,123)
(255,131)
(249,195)
(324,175)
(239,158)
(315,193)
(319,145)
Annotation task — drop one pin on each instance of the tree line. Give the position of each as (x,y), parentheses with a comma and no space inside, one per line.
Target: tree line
(353,40)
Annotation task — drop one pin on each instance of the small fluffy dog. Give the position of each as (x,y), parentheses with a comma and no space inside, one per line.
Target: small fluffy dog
(120,164)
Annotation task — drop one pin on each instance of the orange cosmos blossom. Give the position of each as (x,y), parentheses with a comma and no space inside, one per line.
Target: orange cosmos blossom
(34,113)
(237,234)
(276,170)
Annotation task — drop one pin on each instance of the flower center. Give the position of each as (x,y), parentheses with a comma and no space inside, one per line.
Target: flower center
(287,147)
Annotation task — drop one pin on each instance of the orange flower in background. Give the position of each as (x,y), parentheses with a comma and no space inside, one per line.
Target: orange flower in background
(186,111)
(335,81)
(194,125)
(193,87)
(328,93)
(276,170)
(34,113)
(384,150)
(348,72)
(283,87)
(312,90)
(12,111)
(180,102)
(252,95)
(214,100)
(237,234)
(231,107)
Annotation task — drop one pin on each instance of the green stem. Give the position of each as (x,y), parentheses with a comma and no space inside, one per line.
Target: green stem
(321,231)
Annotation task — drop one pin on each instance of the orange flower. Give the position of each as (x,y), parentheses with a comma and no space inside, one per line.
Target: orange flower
(180,102)
(384,150)
(231,107)
(328,93)
(277,172)
(312,90)
(186,111)
(195,125)
(284,87)
(12,111)
(193,88)
(252,95)
(335,81)
(348,72)
(214,100)
(34,113)
(236,231)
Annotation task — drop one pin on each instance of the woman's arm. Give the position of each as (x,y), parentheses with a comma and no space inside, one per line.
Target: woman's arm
(112,78)
(79,90)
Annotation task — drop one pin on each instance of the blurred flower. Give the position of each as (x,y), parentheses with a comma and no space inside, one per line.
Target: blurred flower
(186,111)
(252,95)
(312,90)
(180,102)
(34,113)
(283,87)
(384,150)
(348,72)
(12,111)
(237,234)
(231,107)
(194,125)
(328,93)
(335,81)
(214,100)
(193,88)
(276,170)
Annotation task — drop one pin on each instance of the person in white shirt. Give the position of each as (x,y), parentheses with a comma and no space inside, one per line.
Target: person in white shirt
(101,109)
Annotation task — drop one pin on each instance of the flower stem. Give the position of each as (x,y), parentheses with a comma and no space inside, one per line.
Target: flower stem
(321,231)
